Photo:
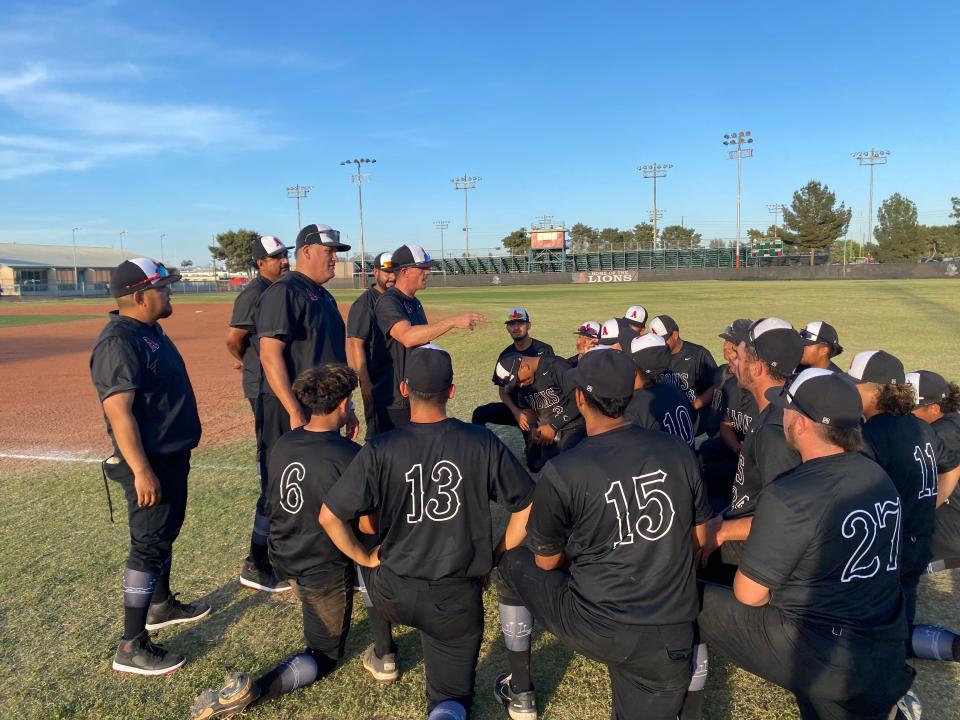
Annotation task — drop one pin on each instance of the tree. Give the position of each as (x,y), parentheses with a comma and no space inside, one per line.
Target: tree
(941,240)
(643,236)
(813,220)
(517,242)
(186,263)
(235,248)
(679,237)
(897,232)
(583,238)
(956,210)
(718,244)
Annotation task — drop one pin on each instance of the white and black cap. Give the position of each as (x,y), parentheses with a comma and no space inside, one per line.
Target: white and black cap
(610,332)
(383,261)
(603,375)
(876,366)
(412,256)
(776,343)
(269,246)
(929,388)
(140,273)
(821,395)
(650,354)
(819,332)
(590,329)
(428,369)
(505,373)
(319,234)
(636,314)
(664,325)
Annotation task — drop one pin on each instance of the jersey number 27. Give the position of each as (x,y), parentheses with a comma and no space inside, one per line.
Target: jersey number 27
(437,499)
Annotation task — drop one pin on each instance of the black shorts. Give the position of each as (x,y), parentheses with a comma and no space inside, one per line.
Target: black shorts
(449,615)
(327,605)
(834,672)
(650,665)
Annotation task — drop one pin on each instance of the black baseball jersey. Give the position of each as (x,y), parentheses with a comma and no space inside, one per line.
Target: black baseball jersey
(622,506)
(763,456)
(662,407)
(743,411)
(131,355)
(832,367)
(725,383)
(362,324)
(947,430)
(305,317)
(432,484)
(905,447)
(391,308)
(304,465)
(245,318)
(536,349)
(546,395)
(826,541)
(691,370)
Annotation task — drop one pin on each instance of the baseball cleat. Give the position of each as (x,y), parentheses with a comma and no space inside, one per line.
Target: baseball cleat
(233,697)
(909,707)
(141,657)
(262,578)
(173,612)
(519,705)
(383,670)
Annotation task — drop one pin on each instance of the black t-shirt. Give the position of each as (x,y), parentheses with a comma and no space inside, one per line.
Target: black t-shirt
(362,324)
(305,317)
(662,407)
(691,370)
(304,465)
(393,307)
(245,318)
(826,541)
(131,355)
(763,456)
(947,430)
(622,506)
(432,484)
(546,395)
(905,447)
(725,383)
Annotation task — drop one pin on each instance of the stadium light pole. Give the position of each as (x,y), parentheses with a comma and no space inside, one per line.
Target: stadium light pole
(738,139)
(298,191)
(655,216)
(776,209)
(76,276)
(162,236)
(359,179)
(122,233)
(465,183)
(652,172)
(442,225)
(871,157)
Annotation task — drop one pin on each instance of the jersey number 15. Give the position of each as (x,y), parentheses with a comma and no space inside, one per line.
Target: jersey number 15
(642,508)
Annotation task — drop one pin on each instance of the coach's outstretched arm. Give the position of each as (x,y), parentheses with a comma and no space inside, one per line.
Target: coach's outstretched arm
(119,410)
(415,335)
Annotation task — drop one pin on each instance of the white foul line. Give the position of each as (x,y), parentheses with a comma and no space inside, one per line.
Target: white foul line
(74,457)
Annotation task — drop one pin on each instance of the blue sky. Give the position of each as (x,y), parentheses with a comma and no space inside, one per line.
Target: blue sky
(191,118)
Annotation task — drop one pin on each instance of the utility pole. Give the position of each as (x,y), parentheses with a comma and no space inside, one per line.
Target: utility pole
(776,209)
(162,236)
(465,183)
(122,233)
(442,225)
(76,276)
(738,139)
(652,172)
(654,216)
(359,179)
(871,157)
(299,191)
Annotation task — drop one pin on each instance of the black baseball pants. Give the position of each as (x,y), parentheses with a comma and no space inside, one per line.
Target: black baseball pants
(449,615)
(649,665)
(327,604)
(914,557)
(835,673)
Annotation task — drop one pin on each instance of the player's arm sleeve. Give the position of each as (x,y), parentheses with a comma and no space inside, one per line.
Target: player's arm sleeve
(774,455)
(115,367)
(778,538)
(244,312)
(359,321)
(276,313)
(354,493)
(510,485)
(549,525)
(389,313)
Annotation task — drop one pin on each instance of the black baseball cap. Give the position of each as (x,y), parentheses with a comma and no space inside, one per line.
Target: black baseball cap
(776,343)
(823,396)
(664,325)
(929,388)
(383,261)
(140,273)
(315,234)
(817,332)
(269,246)
(603,374)
(428,369)
(650,354)
(876,366)
(738,331)
(407,256)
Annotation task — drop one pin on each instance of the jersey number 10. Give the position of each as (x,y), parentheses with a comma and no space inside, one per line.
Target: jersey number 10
(439,499)
(642,508)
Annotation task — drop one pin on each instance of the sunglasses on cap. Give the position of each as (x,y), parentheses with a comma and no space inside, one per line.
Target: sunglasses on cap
(334,235)
(285,255)
(807,335)
(587,331)
(161,273)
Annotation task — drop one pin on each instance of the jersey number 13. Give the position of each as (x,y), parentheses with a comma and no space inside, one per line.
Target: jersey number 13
(437,498)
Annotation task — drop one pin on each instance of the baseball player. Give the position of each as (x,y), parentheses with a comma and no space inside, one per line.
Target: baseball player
(816,606)
(431,482)
(610,565)
(304,464)
(507,411)
(404,325)
(820,345)
(906,447)
(636,319)
(616,333)
(657,405)
(367,349)
(298,327)
(588,335)
(271,258)
(691,365)
(151,417)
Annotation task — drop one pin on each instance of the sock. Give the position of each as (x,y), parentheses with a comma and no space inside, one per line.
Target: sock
(161,592)
(448,710)
(259,538)
(943,564)
(516,622)
(930,642)
(519,670)
(138,588)
(693,703)
(382,632)
(294,672)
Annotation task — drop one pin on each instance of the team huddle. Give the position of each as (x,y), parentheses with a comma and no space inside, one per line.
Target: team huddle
(775,509)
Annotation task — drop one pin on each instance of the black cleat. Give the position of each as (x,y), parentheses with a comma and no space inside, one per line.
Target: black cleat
(141,657)
(174,612)
(236,693)
(262,578)
(519,705)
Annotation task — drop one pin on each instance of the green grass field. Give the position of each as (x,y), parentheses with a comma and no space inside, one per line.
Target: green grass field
(25,320)
(60,610)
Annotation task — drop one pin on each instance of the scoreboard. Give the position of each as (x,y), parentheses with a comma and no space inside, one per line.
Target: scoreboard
(768,248)
(548,239)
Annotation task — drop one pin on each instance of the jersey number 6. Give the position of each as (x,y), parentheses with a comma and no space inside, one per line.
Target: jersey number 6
(653,508)
(439,501)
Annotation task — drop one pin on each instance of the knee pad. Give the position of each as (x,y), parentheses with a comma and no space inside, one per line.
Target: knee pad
(701,663)
(138,587)
(930,642)
(297,671)
(261,527)
(448,710)
(516,622)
